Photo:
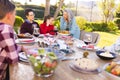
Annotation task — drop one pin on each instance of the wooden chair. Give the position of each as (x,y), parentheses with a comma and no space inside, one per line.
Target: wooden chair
(95,36)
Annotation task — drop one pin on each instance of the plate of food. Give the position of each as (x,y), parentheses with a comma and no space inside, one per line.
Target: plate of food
(64,32)
(87,47)
(112,69)
(85,65)
(105,55)
(24,36)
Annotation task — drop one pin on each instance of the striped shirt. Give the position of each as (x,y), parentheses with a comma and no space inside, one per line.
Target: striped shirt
(8,48)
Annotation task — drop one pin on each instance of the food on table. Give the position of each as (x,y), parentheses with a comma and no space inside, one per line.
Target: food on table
(90,46)
(43,63)
(69,42)
(27,35)
(64,32)
(113,68)
(106,54)
(26,40)
(85,54)
(86,64)
(21,35)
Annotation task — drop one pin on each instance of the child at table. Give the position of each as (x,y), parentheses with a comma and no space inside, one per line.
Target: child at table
(47,26)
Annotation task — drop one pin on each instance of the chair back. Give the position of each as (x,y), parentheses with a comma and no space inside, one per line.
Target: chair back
(95,36)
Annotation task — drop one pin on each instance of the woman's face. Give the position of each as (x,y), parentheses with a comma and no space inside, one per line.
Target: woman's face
(65,15)
(30,16)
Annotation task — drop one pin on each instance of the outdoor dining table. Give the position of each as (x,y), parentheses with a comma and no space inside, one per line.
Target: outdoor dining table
(23,71)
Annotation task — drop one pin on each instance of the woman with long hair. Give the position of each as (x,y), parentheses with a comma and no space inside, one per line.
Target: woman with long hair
(67,22)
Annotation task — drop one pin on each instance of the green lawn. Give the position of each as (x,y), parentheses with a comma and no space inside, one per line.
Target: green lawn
(106,39)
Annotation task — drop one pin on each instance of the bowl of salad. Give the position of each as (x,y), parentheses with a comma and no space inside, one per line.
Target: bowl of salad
(43,63)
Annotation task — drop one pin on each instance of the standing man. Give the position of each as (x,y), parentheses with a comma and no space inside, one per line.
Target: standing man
(8,48)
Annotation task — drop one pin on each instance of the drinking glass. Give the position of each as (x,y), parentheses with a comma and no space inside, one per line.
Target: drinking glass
(117,48)
(87,39)
(35,30)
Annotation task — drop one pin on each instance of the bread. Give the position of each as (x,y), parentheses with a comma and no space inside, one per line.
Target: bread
(86,64)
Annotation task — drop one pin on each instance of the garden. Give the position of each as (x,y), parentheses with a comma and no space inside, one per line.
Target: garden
(107,28)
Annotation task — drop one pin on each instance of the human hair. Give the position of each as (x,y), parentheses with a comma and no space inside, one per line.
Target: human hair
(47,17)
(27,11)
(5,7)
(70,14)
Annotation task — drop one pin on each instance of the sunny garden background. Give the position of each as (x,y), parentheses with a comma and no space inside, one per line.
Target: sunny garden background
(107,24)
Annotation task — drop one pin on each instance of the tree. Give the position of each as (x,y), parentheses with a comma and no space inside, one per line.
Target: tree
(107,7)
(117,15)
(58,9)
(47,8)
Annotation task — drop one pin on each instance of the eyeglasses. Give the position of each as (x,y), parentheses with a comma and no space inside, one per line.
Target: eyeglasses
(32,15)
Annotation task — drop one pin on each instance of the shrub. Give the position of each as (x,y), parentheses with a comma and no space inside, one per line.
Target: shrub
(18,22)
(117,14)
(97,26)
(57,22)
(117,21)
(112,26)
(81,21)
(39,21)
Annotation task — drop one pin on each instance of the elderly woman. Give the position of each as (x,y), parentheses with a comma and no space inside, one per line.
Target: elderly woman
(67,22)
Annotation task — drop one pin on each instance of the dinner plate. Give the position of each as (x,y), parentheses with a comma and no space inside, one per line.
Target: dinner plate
(111,76)
(85,48)
(25,41)
(72,66)
(63,34)
(19,36)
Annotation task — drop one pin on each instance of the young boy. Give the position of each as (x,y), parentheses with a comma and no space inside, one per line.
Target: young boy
(8,48)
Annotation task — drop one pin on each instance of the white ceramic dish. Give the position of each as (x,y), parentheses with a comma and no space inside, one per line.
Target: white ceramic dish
(25,41)
(84,48)
(111,76)
(72,66)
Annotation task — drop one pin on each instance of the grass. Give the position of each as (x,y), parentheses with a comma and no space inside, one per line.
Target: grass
(107,39)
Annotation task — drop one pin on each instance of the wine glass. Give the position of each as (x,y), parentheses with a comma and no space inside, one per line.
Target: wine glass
(36,32)
(117,48)
(87,38)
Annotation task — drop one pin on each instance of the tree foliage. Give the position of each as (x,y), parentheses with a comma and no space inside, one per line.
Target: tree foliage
(107,7)
(117,12)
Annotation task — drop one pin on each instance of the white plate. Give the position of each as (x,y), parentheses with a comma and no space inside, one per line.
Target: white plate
(93,49)
(72,66)
(25,41)
(63,34)
(111,76)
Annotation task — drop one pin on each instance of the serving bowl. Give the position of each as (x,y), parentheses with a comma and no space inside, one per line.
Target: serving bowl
(99,52)
(43,63)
